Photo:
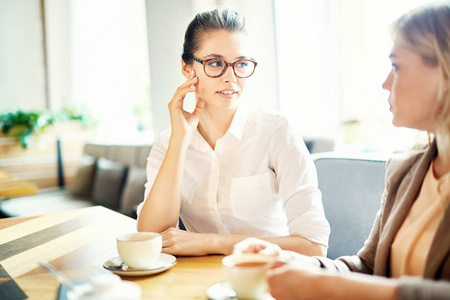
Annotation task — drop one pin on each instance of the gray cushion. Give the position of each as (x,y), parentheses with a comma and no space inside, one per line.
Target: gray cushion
(351,194)
(133,192)
(82,185)
(95,150)
(122,153)
(109,179)
(141,158)
(319,144)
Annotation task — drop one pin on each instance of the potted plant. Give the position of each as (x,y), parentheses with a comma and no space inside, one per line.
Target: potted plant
(21,125)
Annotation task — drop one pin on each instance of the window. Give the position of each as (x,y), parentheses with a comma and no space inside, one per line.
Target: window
(332,61)
(98,59)
(110,66)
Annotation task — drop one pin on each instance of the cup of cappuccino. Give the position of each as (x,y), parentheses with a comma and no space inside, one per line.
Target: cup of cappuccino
(139,250)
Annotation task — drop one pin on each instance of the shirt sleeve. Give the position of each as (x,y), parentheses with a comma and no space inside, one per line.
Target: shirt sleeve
(154,162)
(414,288)
(298,186)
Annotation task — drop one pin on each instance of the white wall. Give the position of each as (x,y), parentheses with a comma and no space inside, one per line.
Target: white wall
(57,29)
(307,60)
(167,21)
(22,73)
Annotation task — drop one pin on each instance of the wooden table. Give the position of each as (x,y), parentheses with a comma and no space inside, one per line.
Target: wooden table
(12,187)
(78,242)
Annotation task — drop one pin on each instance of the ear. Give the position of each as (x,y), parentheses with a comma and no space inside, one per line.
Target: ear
(185,69)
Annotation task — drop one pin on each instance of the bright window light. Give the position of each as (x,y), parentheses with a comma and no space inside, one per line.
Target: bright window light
(110,66)
(333,59)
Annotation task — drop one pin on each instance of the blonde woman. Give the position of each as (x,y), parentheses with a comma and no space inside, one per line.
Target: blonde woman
(407,255)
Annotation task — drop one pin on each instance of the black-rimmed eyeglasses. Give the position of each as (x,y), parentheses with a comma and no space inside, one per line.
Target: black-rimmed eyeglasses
(215,67)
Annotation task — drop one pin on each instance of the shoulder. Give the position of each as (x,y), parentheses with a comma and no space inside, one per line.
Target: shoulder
(164,135)
(267,118)
(401,162)
(162,141)
(412,162)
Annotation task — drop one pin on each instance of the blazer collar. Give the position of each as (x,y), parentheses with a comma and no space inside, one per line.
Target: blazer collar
(399,202)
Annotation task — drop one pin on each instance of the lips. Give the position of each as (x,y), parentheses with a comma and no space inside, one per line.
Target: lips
(227,92)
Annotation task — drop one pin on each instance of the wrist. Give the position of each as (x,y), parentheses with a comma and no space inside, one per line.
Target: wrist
(181,140)
(223,244)
(300,259)
(209,243)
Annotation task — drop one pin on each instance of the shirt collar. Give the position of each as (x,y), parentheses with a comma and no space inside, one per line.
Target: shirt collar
(198,142)
(236,129)
(240,118)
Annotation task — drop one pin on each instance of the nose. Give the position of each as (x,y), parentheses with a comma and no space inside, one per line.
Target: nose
(388,82)
(229,75)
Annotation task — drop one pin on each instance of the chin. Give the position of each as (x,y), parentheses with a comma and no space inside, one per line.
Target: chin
(396,123)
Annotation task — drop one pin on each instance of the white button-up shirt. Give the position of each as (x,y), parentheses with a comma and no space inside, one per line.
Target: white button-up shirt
(259,181)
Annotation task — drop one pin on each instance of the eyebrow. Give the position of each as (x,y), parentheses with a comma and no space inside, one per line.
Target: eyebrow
(222,58)
(392,55)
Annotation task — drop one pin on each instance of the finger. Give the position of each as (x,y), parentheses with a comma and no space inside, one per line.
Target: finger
(189,84)
(269,251)
(167,240)
(168,250)
(199,107)
(278,264)
(182,90)
(192,75)
(273,272)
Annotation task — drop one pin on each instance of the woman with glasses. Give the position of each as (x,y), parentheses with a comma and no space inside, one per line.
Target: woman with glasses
(229,171)
(408,249)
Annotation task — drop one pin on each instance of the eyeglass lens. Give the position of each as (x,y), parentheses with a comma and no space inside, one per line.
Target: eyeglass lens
(242,68)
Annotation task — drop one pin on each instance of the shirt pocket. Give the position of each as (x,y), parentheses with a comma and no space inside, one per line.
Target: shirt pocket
(251,196)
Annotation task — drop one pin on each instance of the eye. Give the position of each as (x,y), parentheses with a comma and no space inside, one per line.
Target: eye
(243,64)
(216,63)
(394,67)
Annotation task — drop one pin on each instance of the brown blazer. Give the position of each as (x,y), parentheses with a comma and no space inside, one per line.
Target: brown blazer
(404,177)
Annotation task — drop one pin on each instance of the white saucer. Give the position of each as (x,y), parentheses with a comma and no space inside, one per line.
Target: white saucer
(164,262)
(223,291)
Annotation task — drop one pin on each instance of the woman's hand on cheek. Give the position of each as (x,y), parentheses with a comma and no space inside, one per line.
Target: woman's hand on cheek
(184,123)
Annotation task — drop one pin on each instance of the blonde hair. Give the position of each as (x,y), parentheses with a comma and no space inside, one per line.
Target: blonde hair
(426,31)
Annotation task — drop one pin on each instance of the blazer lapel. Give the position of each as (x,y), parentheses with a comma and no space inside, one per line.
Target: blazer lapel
(440,246)
(400,203)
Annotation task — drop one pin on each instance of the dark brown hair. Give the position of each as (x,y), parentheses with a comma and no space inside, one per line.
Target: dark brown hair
(219,18)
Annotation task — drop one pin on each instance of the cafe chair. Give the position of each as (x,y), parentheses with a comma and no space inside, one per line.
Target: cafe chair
(351,193)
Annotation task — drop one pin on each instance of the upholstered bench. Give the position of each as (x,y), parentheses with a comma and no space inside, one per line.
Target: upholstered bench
(109,175)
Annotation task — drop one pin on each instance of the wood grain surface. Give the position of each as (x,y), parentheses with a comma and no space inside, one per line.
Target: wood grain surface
(78,242)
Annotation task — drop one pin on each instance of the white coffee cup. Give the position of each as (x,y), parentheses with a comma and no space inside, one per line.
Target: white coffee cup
(139,250)
(246,274)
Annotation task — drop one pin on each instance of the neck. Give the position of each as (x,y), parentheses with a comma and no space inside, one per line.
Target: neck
(442,161)
(214,123)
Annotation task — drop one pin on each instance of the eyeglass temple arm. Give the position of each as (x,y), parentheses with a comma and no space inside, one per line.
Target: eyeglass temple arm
(194,58)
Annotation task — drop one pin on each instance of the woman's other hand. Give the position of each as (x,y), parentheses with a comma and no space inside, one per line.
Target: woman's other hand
(292,281)
(182,242)
(253,245)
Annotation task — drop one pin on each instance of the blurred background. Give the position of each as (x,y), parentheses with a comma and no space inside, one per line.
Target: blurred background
(115,64)
(321,63)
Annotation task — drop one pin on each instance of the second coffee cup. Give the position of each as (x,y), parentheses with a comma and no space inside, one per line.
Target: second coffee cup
(246,274)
